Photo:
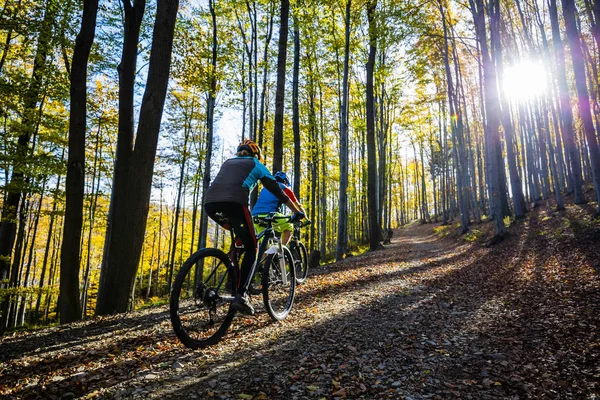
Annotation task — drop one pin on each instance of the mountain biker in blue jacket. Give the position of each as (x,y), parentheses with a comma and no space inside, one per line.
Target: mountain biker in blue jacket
(226,202)
(268,203)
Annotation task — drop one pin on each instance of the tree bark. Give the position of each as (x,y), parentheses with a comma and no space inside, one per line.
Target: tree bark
(69,303)
(131,193)
(370,114)
(210,112)
(566,111)
(582,92)
(280,91)
(492,119)
(8,224)
(295,108)
(342,230)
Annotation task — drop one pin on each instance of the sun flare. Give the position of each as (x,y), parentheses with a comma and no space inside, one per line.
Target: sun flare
(524,80)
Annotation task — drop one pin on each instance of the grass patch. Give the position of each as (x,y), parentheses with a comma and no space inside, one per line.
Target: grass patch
(443,230)
(583,225)
(152,302)
(474,235)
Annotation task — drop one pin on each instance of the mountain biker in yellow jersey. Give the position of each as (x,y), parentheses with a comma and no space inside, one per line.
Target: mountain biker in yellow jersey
(226,202)
(268,203)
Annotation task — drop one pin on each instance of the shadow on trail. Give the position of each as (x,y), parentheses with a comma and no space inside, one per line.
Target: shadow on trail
(419,340)
(365,327)
(79,334)
(473,321)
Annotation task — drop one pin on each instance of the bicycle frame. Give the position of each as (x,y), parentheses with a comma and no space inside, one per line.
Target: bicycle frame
(267,234)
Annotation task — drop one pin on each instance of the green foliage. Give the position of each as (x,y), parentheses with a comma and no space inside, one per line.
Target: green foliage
(474,235)
(29,291)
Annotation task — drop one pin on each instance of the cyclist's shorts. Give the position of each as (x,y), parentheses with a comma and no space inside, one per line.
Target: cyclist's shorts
(280,225)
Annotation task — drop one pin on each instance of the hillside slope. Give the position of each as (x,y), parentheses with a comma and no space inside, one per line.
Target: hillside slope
(427,317)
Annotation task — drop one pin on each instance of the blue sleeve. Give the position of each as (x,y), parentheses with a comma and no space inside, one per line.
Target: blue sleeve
(262,170)
(270,183)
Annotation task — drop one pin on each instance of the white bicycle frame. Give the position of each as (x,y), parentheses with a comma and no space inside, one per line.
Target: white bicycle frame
(277,248)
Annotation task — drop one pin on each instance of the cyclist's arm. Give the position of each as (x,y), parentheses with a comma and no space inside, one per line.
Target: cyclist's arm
(294,200)
(294,207)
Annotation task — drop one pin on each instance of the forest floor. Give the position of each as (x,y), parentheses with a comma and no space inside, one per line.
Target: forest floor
(433,315)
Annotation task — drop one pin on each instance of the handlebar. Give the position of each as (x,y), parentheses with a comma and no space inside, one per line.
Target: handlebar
(302,224)
(271,217)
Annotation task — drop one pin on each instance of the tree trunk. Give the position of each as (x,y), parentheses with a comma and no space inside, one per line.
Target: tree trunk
(370,113)
(131,193)
(582,93)
(515,181)
(178,205)
(31,244)
(47,248)
(210,112)
(295,108)
(69,303)
(280,91)
(342,230)
(565,105)
(492,120)
(14,189)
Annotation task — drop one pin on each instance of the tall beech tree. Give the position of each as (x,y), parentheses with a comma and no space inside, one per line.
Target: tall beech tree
(374,231)
(280,90)
(585,113)
(342,228)
(492,107)
(566,111)
(70,308)
(135,162)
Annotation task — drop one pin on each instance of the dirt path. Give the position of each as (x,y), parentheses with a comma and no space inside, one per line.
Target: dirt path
(424,318)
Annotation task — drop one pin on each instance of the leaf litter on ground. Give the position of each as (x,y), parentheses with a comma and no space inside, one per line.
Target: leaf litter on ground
(426,317)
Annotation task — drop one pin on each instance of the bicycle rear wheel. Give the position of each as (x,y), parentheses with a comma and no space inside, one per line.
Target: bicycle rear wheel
(279,284)
(200,298)
(300,261)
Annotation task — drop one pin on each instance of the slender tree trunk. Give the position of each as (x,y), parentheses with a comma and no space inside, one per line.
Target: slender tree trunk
(178,205)
(295,108)
(261,122)
(582,92)
(211,102)
(280,91)
(457,132)
(370,113)
(9,303)
(492,119)
(515,181)
(565,105)
(342,226)
(8,224)
(31,243)
(92,214)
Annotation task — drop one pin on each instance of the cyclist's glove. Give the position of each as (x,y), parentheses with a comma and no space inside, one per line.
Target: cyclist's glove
(297,217)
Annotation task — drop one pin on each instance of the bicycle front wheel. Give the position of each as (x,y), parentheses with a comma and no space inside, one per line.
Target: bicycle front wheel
(279,284)
(200,298)
(300,261)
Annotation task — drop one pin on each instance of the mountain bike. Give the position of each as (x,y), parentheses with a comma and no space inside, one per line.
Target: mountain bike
(209,280)
(299,252)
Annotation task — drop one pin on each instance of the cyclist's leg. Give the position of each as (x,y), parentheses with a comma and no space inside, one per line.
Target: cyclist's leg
(243,227)
(219,212)
(283,226)
(258,228)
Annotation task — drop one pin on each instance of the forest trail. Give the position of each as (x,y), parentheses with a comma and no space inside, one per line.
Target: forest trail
(427,317)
